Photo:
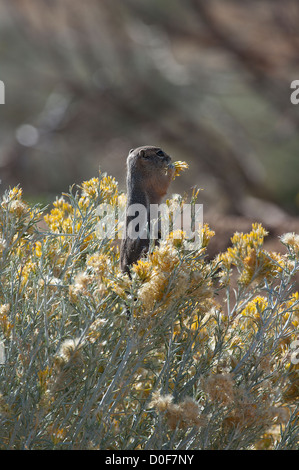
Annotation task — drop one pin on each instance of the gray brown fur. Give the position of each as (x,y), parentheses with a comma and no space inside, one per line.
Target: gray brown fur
(149,174)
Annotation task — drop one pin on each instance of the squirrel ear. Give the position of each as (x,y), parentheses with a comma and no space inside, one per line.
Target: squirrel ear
(131,150)
(142,153)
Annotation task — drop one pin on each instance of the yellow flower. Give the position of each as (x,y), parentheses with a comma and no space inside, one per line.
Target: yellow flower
(14,194)
(255,307)
(121,285)
(254,239)
(247,255)
(179,167)
(165,257)
(206,234)
(156,275)
(38,249)
(109,189)
(12,202)
(291,307)
(90,188)
(26,271)
(153,290)
(63,206)
(142,269)
(177,238)
(55,219)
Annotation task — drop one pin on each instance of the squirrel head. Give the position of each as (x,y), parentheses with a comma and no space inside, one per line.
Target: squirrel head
(151,167)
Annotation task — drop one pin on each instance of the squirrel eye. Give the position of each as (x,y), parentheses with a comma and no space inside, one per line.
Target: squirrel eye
(160,153)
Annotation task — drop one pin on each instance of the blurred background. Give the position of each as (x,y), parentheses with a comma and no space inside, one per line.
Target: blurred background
(208,81)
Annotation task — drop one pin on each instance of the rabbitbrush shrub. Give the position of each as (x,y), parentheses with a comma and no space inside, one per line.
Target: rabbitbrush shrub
(207,359)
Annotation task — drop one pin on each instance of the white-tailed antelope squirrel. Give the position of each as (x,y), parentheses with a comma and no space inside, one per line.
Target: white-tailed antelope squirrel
(149,174)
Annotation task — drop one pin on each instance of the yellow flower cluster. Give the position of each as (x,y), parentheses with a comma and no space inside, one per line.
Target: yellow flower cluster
(16,216)
(205,235)
(95,281)
(250,318)
(290,308)
(247,254)
(164,277)
(14,194)
(90,189)
(60,218)
(68,218)
(109,190)
(155,274)
(179,167)
(253,311)
(104,188)
(12,203)
(67,224)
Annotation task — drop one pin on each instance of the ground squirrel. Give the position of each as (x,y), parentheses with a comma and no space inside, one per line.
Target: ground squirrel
(149,173)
